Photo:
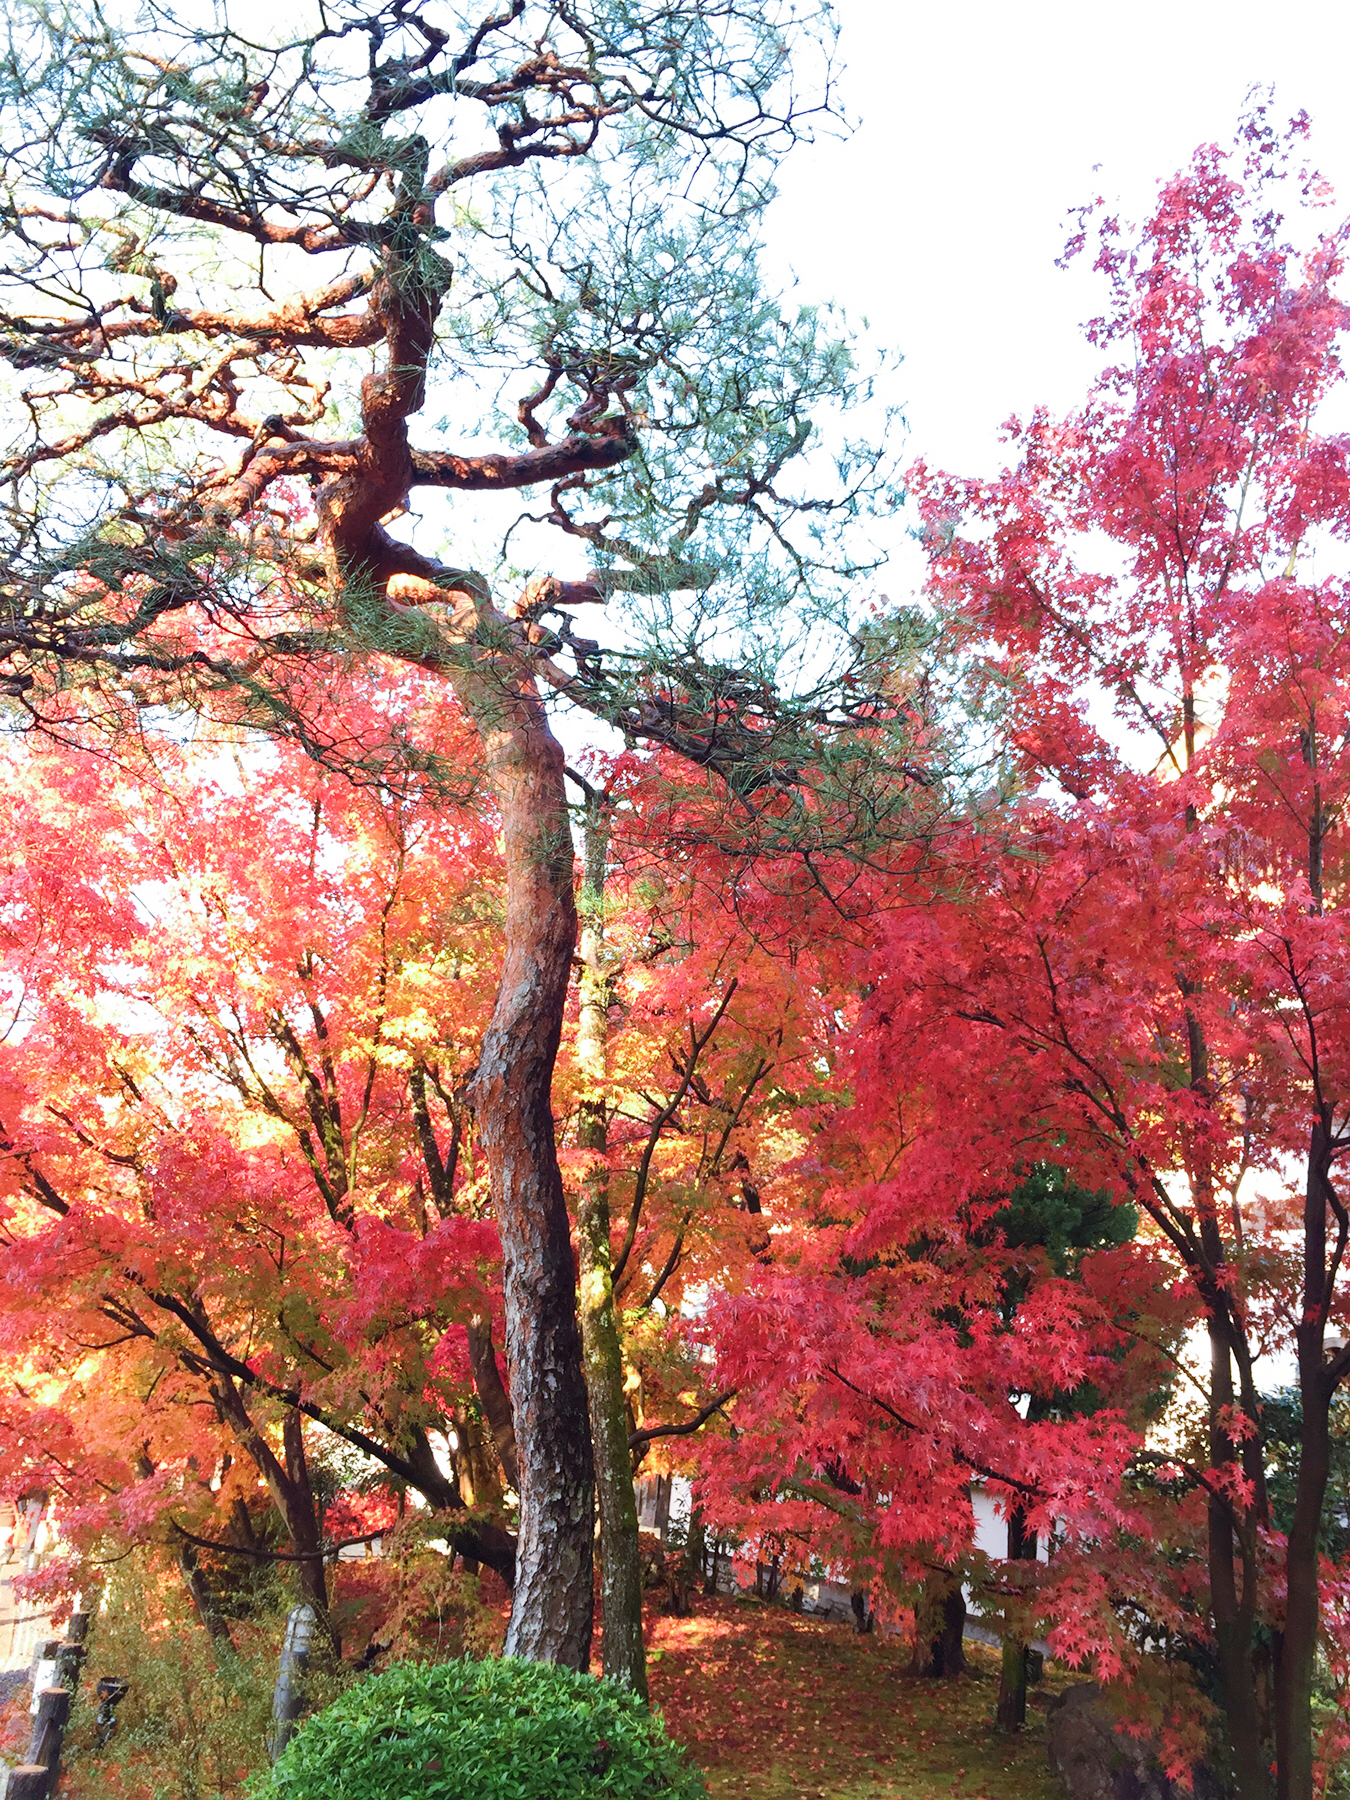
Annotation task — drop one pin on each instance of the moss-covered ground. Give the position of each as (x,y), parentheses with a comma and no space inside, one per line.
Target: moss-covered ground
(778,1706)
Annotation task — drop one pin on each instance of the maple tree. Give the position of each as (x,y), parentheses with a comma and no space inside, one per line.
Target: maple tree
(230,1212)
(213,474)
(226,1183)
(1155,975)
(882,1369)
(1134,973)
(685,1031)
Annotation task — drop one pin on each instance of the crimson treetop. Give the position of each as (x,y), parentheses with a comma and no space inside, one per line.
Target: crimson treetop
(1164,965)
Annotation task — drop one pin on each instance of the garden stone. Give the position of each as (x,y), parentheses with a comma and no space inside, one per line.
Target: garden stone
(1097,1762)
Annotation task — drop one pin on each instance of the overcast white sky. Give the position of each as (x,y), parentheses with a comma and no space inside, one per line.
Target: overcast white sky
(941,218)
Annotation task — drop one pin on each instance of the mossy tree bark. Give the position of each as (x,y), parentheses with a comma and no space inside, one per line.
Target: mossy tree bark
(624,1659)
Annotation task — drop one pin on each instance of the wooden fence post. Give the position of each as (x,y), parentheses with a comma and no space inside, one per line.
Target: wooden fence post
(36,1779)
(44,1670)
(288,1699)
(27,1783)
(69,1660)
(44,1747)
(54,1683)
(55,1680)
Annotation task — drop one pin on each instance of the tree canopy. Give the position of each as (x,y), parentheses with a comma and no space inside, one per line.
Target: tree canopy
(265,267)
(543,220)
(904,1126)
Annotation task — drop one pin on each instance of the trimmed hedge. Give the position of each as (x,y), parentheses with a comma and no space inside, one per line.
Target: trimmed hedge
(502,1729)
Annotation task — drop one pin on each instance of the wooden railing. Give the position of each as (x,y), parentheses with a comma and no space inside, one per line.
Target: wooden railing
(36,1778)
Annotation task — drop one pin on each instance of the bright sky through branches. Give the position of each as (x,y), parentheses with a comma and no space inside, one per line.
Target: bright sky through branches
(941,218)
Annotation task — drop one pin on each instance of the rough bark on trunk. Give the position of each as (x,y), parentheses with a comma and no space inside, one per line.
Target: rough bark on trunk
(469,641)
(623,1659)
(511,1094)
(394,599)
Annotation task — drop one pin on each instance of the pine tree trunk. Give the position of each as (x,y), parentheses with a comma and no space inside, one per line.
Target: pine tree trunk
(394,599)
(482,654)
(624,1659)
(551,1611)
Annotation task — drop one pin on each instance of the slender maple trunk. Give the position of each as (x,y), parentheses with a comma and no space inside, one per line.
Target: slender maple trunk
(209,1616)
(1233,1606)
(479,1481)
(1298,1645)
(511,1092)
(693,1557)
(1298,1648)
(1011,1712)
(624,1659)
(302,1521)
(288,1485)
(1231,1527)
(954,1633)
(493,1397)
(940,1654)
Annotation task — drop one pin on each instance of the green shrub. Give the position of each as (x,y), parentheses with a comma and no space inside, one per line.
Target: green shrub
(502,1729)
